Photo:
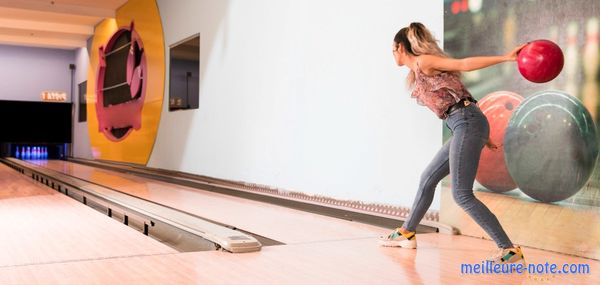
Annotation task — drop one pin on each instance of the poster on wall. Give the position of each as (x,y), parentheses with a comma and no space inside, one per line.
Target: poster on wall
(546,133)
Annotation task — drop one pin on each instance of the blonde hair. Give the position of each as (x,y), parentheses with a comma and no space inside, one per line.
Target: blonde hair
(418,40)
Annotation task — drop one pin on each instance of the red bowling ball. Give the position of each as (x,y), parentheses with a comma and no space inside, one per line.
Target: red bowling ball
(492,172)
(540,61)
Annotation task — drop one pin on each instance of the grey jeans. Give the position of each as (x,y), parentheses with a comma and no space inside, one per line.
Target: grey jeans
(460,157)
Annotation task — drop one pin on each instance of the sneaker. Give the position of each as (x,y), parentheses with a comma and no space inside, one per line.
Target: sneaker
(507,255)
(398,239)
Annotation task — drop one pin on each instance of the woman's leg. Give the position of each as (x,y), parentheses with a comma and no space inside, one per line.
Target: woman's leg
(470,135)
(437,169)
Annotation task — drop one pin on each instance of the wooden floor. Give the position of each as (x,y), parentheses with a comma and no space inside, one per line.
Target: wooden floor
(318,250)
(351,261)
(46,227)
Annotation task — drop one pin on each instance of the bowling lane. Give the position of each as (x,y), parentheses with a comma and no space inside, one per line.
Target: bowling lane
(15,185)
(275,222)
(40,226)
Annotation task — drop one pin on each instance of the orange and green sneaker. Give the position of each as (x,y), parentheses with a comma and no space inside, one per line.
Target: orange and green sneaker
(507,255)
(398,239)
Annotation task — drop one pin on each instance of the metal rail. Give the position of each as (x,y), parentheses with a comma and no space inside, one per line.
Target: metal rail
(177,229)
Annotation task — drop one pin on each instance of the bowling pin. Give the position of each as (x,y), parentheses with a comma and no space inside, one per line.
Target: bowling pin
(28,153)
(553,36)
(22,152)
(17,154)
(590,67)
(572,60)
(474,8)
(34,153)
(475,5)
(509,37)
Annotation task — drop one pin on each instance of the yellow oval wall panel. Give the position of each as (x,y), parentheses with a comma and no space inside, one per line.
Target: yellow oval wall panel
(126,80)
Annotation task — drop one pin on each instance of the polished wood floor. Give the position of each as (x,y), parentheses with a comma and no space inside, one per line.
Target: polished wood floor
(48,227)
(318,250)
(351,261)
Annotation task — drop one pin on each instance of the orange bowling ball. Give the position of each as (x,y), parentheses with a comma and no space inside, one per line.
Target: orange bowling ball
(492,172)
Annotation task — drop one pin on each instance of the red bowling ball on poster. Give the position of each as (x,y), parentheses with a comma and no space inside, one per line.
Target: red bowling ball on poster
(492,172)
(540,61)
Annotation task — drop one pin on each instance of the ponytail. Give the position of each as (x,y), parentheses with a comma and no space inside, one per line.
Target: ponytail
(417,40)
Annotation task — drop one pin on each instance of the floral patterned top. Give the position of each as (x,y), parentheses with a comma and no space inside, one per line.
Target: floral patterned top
(439,92)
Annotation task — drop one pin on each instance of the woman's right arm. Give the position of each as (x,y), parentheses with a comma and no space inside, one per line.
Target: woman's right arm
(433,62)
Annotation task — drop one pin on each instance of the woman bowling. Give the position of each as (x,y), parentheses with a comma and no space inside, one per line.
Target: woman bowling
(434,79)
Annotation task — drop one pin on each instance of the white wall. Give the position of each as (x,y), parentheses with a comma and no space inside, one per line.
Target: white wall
(303,96)
(81,139)
(26,72)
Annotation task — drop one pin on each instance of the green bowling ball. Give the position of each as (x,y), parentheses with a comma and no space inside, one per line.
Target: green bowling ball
(551,146)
